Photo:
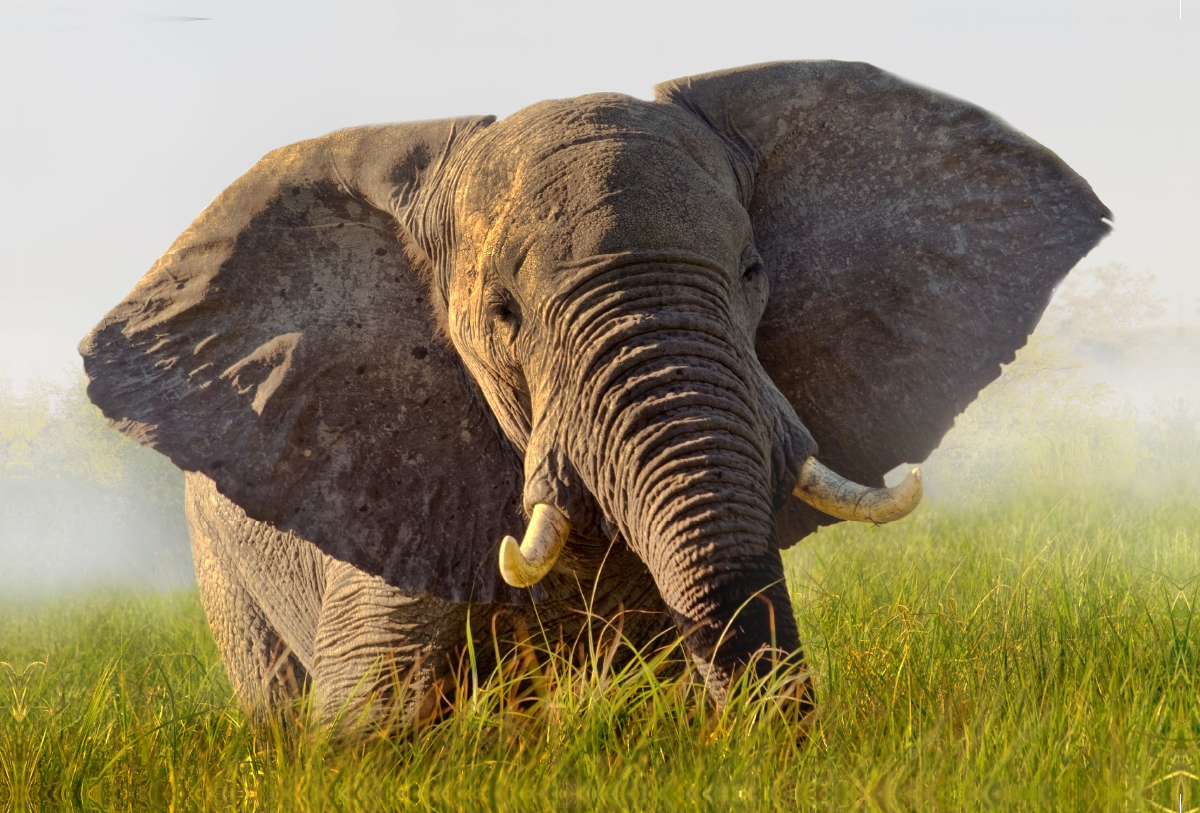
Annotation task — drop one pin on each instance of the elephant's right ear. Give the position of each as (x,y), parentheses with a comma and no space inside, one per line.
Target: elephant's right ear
(911,240)
(286,348)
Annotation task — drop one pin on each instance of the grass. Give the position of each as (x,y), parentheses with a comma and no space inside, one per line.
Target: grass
(1040,655)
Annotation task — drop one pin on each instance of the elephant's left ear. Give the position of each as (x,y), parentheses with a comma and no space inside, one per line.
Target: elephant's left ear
(912,242)
(286,347)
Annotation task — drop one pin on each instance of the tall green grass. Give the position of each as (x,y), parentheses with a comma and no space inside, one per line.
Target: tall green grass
(1038,654)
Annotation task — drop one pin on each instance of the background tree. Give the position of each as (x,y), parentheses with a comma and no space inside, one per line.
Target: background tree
(1041,424)
(1053,421)
(1102,302)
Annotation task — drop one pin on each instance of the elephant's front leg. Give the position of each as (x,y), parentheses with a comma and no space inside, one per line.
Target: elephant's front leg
(263,668)
(261,665)
(380,655)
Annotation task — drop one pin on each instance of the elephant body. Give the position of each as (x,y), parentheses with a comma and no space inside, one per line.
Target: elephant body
(287,615)
(639,323)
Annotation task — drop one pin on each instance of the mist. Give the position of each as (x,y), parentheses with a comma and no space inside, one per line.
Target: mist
(80,505)
(1106,395)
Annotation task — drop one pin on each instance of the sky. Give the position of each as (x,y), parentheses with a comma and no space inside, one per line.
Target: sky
(121,121)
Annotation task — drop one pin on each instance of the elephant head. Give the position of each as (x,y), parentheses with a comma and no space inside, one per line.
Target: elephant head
(641,323)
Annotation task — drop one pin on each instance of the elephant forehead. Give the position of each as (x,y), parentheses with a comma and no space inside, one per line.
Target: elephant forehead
(615,176)
(637,195)
(536,133)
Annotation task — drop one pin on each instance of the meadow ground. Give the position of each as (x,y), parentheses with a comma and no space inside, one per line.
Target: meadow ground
(1043,654)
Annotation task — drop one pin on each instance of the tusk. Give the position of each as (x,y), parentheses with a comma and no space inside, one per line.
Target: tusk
(845,499)
(525,565)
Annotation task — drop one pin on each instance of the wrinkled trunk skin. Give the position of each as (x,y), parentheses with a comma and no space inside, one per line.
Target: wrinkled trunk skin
(680,437)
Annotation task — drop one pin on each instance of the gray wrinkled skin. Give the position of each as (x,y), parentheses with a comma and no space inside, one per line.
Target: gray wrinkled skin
(378,350)
(285,614)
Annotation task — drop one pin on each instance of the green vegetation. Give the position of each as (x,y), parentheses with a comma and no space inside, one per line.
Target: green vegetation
(1044,653)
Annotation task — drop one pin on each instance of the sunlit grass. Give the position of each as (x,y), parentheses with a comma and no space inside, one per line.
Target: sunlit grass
(1038,655)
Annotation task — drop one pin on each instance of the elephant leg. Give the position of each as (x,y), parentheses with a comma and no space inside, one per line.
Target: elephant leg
(260,589)
(381,654)
(261,666)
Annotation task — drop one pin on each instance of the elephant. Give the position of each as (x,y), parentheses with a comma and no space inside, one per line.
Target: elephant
(670,337)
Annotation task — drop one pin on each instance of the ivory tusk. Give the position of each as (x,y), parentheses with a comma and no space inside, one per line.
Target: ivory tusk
(845,499)
(526,564)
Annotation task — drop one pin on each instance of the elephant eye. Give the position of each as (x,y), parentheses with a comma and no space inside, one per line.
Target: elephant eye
(501,309)
(753,268)
(752,264)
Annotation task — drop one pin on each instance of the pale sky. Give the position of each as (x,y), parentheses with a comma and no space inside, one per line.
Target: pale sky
(120,121)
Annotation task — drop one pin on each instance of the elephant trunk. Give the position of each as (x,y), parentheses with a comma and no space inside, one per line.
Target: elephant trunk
(678,443)
(690,489)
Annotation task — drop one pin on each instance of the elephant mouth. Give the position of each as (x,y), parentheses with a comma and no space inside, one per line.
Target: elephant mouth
(527,563)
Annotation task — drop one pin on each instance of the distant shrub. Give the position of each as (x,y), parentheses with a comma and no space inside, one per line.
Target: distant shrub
(1043,426)
(1101,302)
(1169,445)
